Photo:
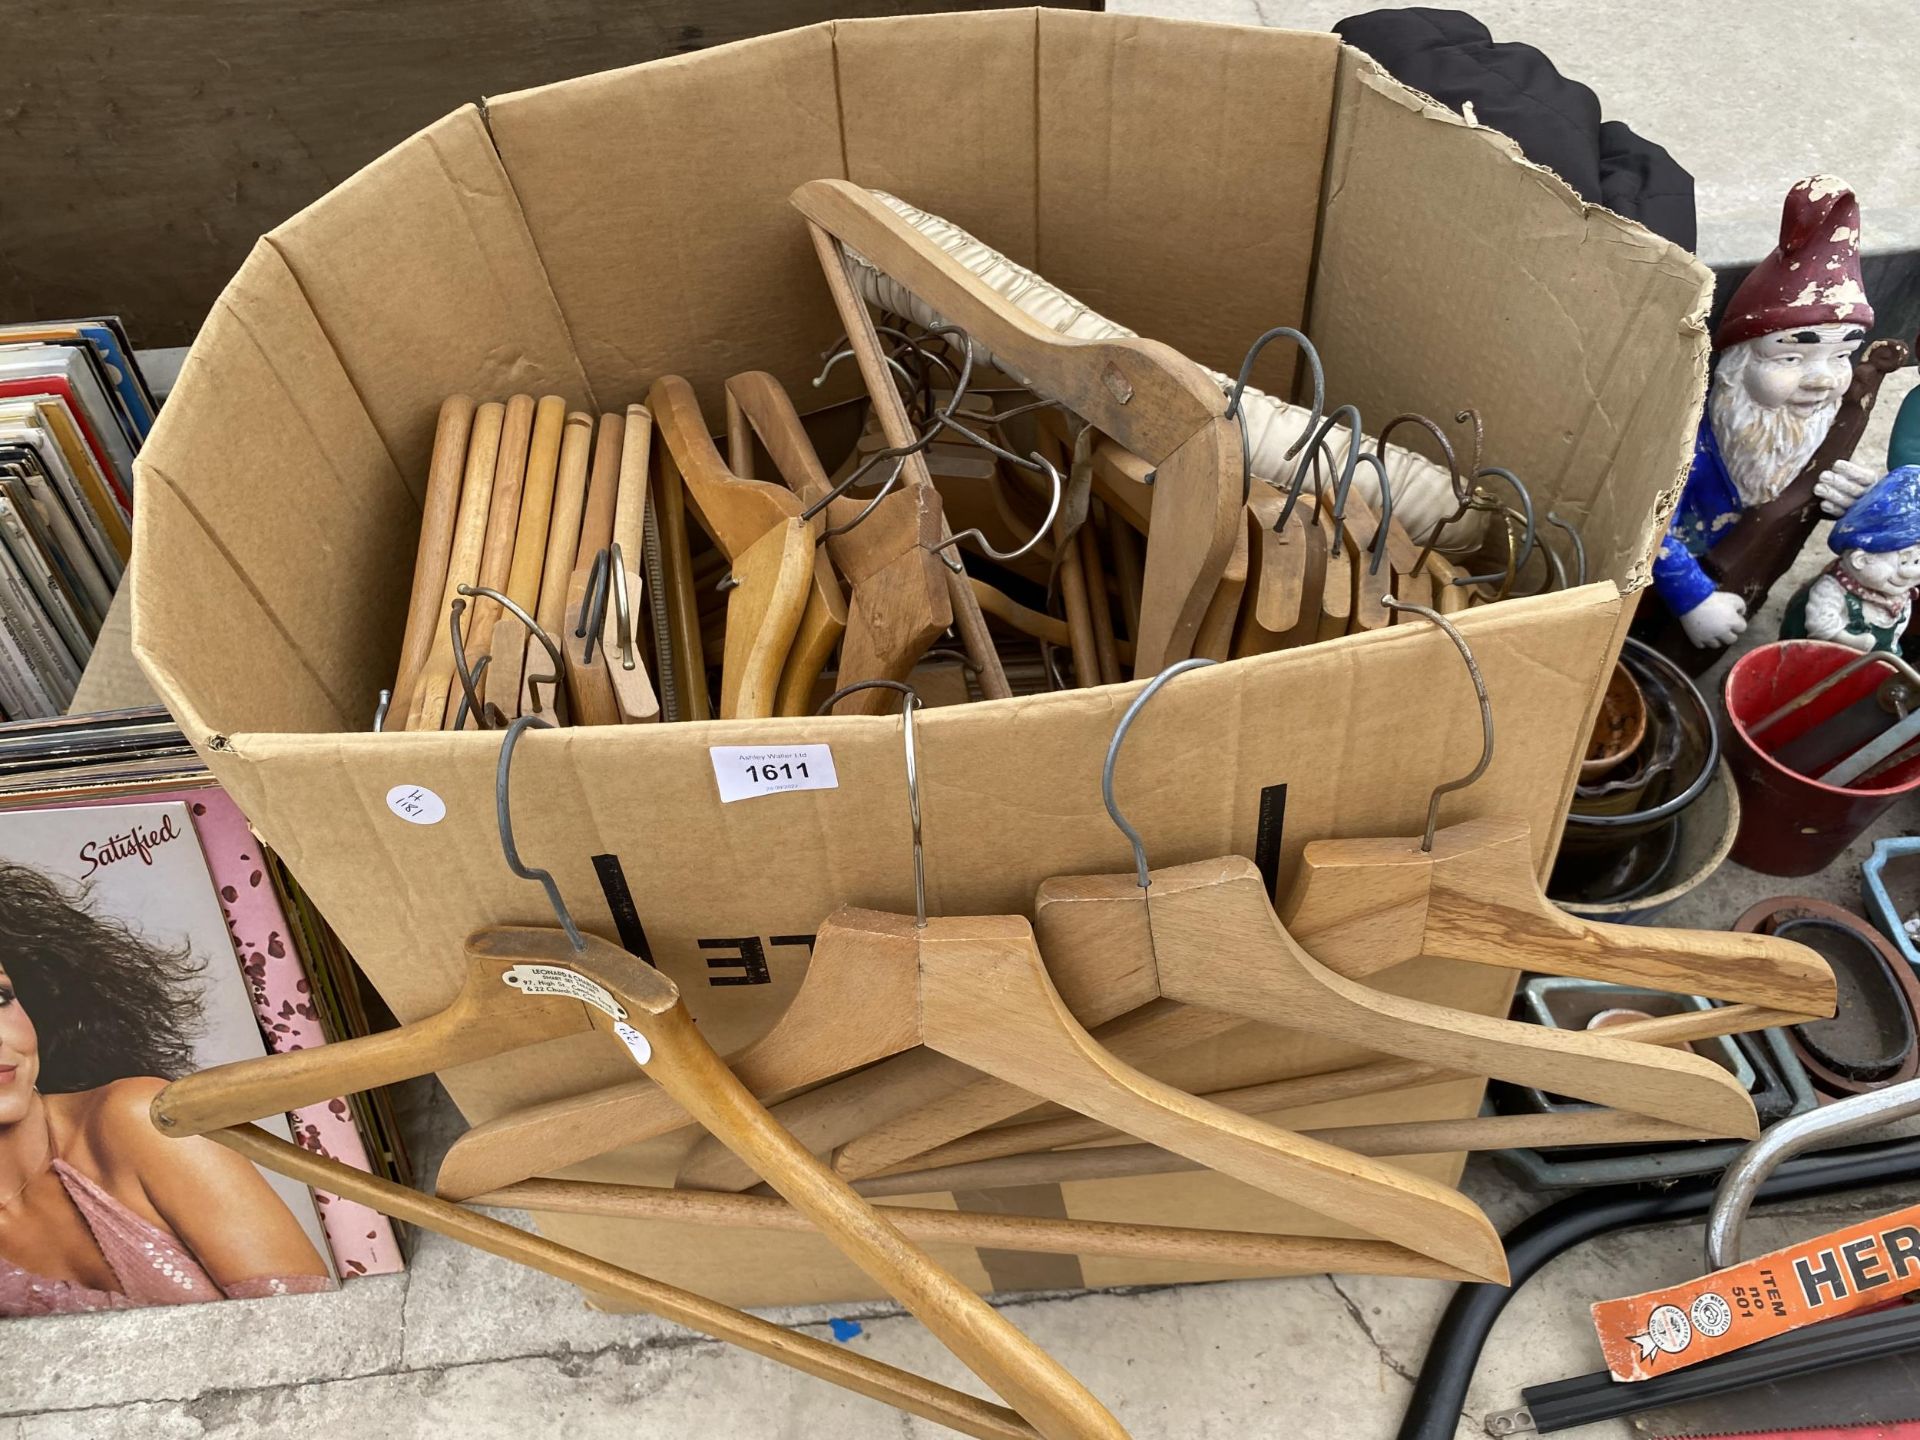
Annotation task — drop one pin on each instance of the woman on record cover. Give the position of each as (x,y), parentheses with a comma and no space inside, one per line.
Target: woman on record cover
(99,1210)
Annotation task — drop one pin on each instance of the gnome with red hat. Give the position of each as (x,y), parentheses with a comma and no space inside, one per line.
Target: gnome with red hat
(1784,359)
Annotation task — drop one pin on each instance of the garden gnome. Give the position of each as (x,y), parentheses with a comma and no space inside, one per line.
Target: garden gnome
(1865,598)
(1784,359)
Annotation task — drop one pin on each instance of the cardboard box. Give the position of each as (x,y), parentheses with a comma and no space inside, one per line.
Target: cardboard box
(1197,182)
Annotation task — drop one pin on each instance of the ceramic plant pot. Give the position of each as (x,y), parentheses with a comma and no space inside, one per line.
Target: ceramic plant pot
(1620,728)
(1793,824)
(1672,767)
(1873,1038)
(1890,889)
(1700,838)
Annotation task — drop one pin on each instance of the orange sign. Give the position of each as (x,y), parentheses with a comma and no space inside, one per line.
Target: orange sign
(1837,1274)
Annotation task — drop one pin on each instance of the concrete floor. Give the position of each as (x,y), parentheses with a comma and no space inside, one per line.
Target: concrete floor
(1702,80)
(465,1344)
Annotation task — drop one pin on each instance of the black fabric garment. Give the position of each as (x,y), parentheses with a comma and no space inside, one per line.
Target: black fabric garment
(1515,89)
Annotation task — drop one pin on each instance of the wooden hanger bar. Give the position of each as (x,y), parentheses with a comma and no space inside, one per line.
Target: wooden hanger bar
(1410,1137)
(836,1364)
(1046,1235)
(1154,401)
(602,986)
(588,684)
(1357,1080)
(425,620)
(563,525)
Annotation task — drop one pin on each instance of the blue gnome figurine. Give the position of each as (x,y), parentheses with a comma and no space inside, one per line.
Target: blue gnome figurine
(1864,598)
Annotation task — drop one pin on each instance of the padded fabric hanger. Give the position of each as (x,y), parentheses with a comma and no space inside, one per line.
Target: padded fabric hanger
(525,985)
(1154,401)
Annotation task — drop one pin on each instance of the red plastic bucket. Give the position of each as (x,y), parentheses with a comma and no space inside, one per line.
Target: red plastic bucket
(1791,824)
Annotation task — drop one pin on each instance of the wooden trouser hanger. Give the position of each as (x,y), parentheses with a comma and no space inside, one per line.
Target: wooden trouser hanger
(526,985)
(1154,401)
(435,547)
(588,683)
(428,707)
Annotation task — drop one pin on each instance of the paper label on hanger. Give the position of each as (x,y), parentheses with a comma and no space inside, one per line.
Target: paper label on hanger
(416,804)
(634,1041)
(558,980)
(1837,1274)
(746,771)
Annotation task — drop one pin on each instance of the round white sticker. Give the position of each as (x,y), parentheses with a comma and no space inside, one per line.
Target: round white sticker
(634,1041)
(1711,1315)
(1670,1329)
(416,804)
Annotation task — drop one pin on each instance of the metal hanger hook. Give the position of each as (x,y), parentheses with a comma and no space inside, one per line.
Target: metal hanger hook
(515,609)
(1179,667)
(503,814)
(1378,548)
(907,707)
(1500,472)
(380,711)
(986,545)
(484,712)
(1486,715)
(1350,417)
(1579,546)
(1312,354)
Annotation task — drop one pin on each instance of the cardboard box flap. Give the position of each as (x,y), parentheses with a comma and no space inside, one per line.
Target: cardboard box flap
(657,196)
(1180,175)
(264,415)
(248,662)
(1555,320)
(932,144)
(423,276)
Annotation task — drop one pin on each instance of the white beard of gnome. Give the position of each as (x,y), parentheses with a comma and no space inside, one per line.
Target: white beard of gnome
(1764,446)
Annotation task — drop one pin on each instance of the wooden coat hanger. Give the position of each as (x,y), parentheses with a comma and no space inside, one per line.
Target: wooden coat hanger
(910,598)
(1600,1127)
(526,985)
(758,528)
(1205,936)
(1154,401)
(1471,892)
(758,405)
(975,990)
